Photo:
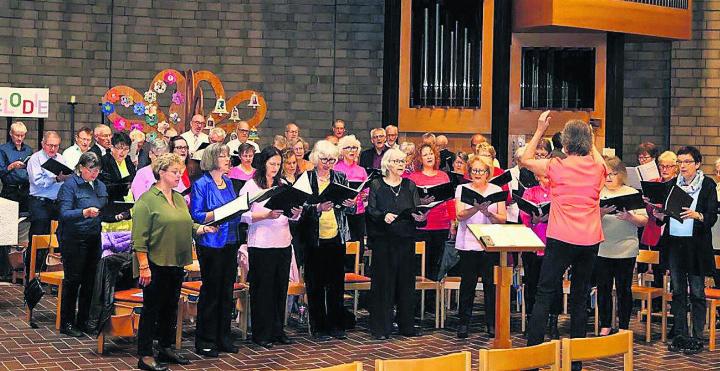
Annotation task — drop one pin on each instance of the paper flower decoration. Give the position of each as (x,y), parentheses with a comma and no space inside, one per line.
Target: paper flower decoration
(136,126)
(169,78)
(127,101)
(108,108)
(151,120)
(119,124)
(151,136)
(150,96)
(160,86)
(178,98)
(113,97)
(139,109)
(151,110)
(175,117)
(163,126)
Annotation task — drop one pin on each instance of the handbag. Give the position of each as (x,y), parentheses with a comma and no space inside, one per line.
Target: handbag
(449,260)
(33,292)
(53,262)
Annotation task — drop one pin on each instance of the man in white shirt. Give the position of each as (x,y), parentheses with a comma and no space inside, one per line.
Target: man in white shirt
(103,135)
(195,137)
(83,139)
(292,131)
(391,133)
(243,132)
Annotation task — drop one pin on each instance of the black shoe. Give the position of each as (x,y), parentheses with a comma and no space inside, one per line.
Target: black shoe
(553,331)
(693,346)
(490,331)
(263,343)
(321,336)
(380,337)
(168,355)
(229,348)
(338,334)
(207,352)
(678,344)
(154,366)
(414,332)
(671,332)
(576,366)
(462,332)
(70,330)
(284,339)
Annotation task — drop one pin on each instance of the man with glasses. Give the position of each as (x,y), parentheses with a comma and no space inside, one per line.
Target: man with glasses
(83,139)
(292,132)
(391,131)
(371,157)
(338,128)
(102,134)
(243,133)
(195,136)
(44,187)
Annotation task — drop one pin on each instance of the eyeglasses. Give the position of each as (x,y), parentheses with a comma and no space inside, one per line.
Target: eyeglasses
(292,131)
(398,162)
(122,149)
(685,162)
(327,160)
(198,123)
(181,148)
(352,148)
(479,171)
(244,131)
(666,167)
(51,145)
(380,136)
(613,174)
(645,157)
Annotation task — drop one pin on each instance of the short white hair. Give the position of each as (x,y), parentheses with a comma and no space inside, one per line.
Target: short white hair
(376,130)
(390,154)
(348,141)
(324,148)
(18,127)
(218,132)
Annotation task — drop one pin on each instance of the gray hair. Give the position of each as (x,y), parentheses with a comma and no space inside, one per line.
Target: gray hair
(324,148)
(158,147)
(211,154)
(87,160)
(576,138)
(377,130)
(390,154)
(18,127)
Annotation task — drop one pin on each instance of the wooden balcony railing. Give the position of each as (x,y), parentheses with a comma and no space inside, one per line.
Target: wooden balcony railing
(679,4)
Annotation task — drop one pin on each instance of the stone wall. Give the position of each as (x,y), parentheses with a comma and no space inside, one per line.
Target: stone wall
(313,60)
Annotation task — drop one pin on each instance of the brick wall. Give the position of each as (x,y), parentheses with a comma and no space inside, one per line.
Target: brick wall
(646,101)
(313,60)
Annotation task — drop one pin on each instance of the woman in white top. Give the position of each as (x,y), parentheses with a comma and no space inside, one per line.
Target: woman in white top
(474,260)
(616,256)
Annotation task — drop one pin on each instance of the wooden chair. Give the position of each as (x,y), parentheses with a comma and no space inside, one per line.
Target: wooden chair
(355,281)
(355,366)
(423,284)
(447,286)
(584,349)
(126,319)
(452,362)
(190,292)
(646,294)
(47,242)
(542,355)
(713,298)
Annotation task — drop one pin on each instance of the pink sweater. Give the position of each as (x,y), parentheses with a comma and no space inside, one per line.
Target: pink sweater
(537,195)
(439,217)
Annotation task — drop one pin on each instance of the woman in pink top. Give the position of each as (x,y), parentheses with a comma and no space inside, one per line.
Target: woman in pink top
(474,260)
(269,252)
(349,150)
(244,171)
(532,261)
(574,232)
(437,230)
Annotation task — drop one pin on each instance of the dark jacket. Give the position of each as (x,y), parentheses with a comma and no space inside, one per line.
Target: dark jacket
(74,196)
(382,201)
(366,157)
(110,175)
(447,158)
(309,223)
(101,306)
(95,148)
(700,257)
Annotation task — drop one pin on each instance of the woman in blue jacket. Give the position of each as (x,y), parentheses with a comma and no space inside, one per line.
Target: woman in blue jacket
(216,252)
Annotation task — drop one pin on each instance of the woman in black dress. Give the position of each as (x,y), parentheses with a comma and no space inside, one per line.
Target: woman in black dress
(393,228)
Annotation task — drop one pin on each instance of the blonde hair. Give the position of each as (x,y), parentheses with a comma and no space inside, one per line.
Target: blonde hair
(485,146)
(615,164)
(668,156)
(136,135)
(163,162)
(18,127)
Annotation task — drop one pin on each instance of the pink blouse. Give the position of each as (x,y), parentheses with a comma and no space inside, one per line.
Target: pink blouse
(438,218)
(238,173)
(575,184)
(354,173)
(267,233)
(536,194)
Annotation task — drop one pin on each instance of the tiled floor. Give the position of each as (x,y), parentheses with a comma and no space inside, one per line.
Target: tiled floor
(23,348)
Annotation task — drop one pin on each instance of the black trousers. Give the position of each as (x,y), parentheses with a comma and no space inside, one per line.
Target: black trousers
(434,248)
(80,258)
(558,257)
(160,305)
(268,277)
(356,225)
(619,271)
(393,283)
(324,280)
(531,265)
(681,280)
(474,264)
(218,267)
(42,212)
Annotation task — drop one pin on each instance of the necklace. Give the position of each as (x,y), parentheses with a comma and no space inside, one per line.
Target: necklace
(396,193)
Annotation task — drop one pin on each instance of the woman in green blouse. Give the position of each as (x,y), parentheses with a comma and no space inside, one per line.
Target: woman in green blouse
(162,239)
